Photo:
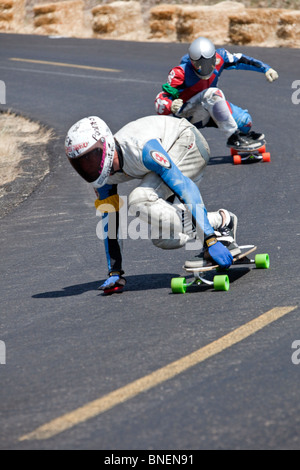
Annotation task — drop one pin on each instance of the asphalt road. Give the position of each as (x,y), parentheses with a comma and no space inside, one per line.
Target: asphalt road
(68,347)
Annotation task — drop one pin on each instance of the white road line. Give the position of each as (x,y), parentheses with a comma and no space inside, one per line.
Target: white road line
(74,75)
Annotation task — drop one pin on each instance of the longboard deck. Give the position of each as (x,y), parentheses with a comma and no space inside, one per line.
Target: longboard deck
(204,269)
(260,149)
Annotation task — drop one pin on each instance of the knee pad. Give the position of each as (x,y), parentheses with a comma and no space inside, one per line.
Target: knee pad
(141,195)
(171,244)
(166,220)
(221,111)
(212,96)
(215,219)
(217,104)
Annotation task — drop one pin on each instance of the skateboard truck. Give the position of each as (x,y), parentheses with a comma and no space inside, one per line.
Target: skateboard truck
(250,155)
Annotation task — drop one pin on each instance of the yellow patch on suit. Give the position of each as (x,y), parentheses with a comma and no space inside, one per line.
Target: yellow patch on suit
(110,204)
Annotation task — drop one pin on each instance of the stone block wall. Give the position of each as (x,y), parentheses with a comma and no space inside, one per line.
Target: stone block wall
(163,22)
(271,27)
(12,15)
(226,22)
(184,23)
(118,19)
(288,29)
(254,27)
(61,18)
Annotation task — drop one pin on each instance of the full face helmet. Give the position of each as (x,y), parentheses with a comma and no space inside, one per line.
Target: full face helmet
(90,148)
(202,54)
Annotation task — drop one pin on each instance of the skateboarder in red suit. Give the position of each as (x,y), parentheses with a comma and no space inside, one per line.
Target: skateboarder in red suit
(191,92)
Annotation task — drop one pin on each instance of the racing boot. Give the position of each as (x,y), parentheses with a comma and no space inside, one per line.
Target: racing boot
(256,135)
(226,234)
(240,141)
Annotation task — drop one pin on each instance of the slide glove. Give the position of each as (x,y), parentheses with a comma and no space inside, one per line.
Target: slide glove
(176,105)
(115,283)
(219,253)
(271,75)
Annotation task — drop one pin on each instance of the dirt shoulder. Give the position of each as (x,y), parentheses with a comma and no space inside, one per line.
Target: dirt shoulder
(24,159)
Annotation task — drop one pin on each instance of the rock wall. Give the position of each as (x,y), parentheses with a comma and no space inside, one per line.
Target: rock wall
(64,18)
(118,19)
(11,15)
(184,23)
(273,27)
(226,22)
(288,31)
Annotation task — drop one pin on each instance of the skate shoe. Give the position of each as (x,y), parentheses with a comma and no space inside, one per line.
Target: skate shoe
(255,136)
(243,141)
(227,233)
(201,260)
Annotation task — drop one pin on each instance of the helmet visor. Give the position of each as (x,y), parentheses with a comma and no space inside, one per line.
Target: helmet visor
(89,165)
(204,67)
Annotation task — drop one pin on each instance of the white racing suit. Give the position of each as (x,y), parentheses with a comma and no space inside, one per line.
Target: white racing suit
(168,156)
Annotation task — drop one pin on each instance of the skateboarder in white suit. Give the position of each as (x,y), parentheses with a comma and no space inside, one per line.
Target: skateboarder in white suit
(167,156)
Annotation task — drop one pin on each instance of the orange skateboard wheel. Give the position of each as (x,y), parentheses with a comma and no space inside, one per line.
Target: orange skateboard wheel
(237,159)
(266,157)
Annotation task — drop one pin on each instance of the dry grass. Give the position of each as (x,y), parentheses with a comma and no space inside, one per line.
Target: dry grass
(15,133)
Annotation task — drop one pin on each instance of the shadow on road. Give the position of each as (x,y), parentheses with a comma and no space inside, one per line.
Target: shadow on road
(141,282)
(134,283)
(221,160)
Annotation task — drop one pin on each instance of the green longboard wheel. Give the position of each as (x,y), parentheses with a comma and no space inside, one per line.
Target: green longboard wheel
(262,261)
(221,282)
(178,285)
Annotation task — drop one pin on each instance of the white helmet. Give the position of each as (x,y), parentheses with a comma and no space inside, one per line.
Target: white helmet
(202,53)
(90,148)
